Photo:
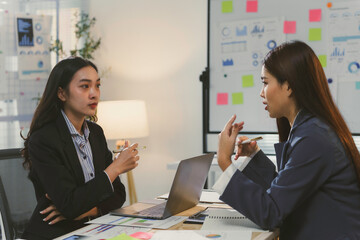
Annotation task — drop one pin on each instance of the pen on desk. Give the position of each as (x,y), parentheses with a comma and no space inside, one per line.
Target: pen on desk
(250,140)
(122,149)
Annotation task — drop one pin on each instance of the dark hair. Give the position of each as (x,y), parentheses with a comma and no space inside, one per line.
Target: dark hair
(50,105)
(296,63)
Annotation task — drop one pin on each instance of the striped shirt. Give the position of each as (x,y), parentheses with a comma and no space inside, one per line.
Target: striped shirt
(83,148)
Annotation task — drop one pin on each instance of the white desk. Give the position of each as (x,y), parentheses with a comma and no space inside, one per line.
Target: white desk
(215,171)
(179,226)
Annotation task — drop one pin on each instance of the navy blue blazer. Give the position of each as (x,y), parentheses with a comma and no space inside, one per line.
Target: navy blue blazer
(314,195)
(56,170)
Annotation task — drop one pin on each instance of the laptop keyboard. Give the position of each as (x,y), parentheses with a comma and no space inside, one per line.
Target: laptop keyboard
(156,210)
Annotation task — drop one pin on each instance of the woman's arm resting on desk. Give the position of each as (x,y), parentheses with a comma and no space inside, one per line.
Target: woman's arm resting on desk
(53,212)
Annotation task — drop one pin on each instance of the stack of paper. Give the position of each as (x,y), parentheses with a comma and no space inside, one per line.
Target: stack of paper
(200,235)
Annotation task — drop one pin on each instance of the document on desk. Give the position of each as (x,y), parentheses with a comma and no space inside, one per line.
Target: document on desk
(138,222)
(201,235)
(229,219)
(103,231)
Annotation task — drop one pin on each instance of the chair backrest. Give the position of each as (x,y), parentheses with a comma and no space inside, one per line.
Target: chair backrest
(5,214)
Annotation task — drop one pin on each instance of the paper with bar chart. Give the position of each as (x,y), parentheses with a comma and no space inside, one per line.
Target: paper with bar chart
(33,44)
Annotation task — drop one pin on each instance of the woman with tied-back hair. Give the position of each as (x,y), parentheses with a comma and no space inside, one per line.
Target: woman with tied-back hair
(315,193)
(69,162)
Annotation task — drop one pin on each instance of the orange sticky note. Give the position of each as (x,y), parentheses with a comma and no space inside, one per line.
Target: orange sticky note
(289,27)
(251,6)
(222,99)
(314,15)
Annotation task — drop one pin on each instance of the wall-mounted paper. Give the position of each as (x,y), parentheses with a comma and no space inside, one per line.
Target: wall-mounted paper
(315,34)
(237,98)
(247,81)
(222,99)
(289,27)
(227,6)
(251,6)
(323,60)
(314,15)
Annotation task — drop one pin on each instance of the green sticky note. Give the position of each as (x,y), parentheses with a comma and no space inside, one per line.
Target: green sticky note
(237,98)
(227,6)
(315,34)
(248,81)
(322,59)
(122,236)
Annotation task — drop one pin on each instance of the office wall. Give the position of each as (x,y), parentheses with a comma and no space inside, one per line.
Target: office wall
(156,51)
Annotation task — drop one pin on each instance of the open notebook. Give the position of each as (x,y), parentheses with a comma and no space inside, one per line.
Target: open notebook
(228,219)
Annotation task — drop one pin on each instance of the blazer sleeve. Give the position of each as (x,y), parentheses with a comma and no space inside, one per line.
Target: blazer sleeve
(309,165)
(119,196)
(260,170)
(60,176)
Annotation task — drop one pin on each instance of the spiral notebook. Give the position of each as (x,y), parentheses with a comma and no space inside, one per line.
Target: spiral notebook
(228,219)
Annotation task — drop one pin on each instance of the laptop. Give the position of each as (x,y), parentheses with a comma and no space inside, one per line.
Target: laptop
(185,191)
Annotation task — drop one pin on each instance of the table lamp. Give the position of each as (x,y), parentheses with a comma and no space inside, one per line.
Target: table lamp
(123,120)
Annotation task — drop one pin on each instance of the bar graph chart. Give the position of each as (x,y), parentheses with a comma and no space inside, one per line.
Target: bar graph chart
(25,32)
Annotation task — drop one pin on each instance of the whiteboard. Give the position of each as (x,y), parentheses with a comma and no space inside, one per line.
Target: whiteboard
(241,32)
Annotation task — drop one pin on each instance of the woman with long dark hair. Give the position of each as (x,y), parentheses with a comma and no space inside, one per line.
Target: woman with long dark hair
(315,193)
(69,162)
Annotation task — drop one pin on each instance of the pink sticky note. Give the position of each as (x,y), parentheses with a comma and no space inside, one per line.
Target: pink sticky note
(222,99)
(289,27)
(142,235)
(251,6)
(314,15)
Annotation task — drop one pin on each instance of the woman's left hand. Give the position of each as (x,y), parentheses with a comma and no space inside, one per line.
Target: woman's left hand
(227,139)
(52,212)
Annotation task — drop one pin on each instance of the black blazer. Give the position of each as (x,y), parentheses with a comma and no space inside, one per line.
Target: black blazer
(56,170)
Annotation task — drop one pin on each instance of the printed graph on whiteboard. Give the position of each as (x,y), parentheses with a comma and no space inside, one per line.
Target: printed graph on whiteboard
(25,32)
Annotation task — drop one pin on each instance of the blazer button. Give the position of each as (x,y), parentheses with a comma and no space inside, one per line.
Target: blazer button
(91,174)
(84,157)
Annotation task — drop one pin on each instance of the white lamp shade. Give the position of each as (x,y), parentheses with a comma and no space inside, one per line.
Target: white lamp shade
(123,119)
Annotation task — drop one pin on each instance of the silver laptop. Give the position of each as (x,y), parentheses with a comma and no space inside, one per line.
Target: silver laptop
(185,191)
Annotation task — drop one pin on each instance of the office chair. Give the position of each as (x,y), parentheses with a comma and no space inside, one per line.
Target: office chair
(5,215)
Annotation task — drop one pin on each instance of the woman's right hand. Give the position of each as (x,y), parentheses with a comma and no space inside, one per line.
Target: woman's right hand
(245,149)
(124,161)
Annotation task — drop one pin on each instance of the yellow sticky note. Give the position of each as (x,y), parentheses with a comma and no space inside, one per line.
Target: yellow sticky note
(248,81)
(314,34)
(237,98)
(123,236)
(323,60)
(227,6)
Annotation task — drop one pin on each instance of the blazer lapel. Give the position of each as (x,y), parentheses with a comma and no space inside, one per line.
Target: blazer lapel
(94,139)
(280,150)
(69,149)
